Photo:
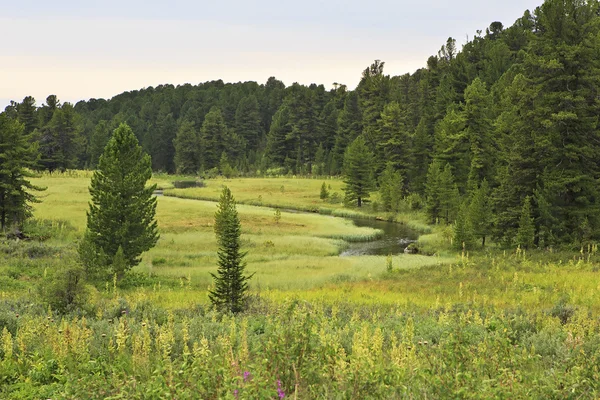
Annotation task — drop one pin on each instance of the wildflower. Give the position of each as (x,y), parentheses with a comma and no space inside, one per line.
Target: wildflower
(280,391)
(235,393)
(246,376)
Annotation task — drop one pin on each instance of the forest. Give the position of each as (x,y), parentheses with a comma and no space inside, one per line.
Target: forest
(429,235)
(515,108)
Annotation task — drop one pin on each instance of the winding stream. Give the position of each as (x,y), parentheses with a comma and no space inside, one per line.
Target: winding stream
(394,240)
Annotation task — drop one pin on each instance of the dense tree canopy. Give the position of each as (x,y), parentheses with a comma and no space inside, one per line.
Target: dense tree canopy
(517,107)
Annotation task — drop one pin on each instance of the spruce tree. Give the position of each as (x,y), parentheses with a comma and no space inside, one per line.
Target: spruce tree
(231,284)
(390,188)
(324,192)
(463,229)
(98,140)
(187,149)
(480,212)
(526,232)
(17,155)
(214,138)
(122,211)
(432,191)
(358,172)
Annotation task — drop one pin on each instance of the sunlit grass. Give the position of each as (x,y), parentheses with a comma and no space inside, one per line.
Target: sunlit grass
(297,252)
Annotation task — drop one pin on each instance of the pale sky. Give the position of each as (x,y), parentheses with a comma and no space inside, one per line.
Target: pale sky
(78,50)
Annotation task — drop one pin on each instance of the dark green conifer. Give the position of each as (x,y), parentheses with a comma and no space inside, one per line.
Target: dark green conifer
(231,284)
(122,211)
(358,172)
(526,232)
(17,156)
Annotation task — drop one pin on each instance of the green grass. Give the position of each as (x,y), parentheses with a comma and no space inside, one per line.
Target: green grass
(292,193)
(299,252)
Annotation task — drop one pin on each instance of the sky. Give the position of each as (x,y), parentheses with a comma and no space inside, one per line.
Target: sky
(97,49)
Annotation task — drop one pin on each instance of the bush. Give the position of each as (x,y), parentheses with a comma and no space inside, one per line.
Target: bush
(65,289)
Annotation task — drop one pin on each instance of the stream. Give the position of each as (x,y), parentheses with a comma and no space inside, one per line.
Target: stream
(394,240)
(396,237)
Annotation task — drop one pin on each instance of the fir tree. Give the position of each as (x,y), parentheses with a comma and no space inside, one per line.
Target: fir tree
(432,191)
(231,285)
(98,141)
(526,232)
(358,172)
(17,156)
(390,188)
(187,149)
(214,138)
(480,212)
(324,192)
(122,210)
(463,229)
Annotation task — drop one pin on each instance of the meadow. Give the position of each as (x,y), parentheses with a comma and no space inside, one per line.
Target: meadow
(493,324)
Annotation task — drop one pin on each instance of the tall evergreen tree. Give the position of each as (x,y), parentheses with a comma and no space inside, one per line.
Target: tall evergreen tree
(248,124)
(526,232)
(98,141)
(231,284)
(187,149)
(213,138)
(17,156)
(463,229)
(358,172)
(480,212)
(393,142)
(60,141)
(391,188)
(349,126)
(122,211)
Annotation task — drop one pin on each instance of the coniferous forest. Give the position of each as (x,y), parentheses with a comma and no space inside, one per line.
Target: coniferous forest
(516,108)
(430,235)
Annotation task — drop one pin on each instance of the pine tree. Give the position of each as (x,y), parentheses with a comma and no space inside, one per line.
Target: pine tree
(432,191)
(349,126)
(122,211)
(448,195)
(214,138)
(480,212)
(98,141)
(248,124)
(393,141)
(60,140)
(324,192)
(526,232)
(187,149)
(390,188)
(358,172)
(463,229)
(231,285)
(17,155)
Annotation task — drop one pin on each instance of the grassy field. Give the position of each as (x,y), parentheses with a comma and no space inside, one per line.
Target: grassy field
(495,324)
(298,252)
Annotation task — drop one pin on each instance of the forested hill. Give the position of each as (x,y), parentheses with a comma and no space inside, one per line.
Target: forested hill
(514,112)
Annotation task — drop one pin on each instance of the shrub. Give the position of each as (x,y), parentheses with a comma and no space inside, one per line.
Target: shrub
(65,289)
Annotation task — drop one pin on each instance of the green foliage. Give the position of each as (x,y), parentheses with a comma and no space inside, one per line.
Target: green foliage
(187,149)
(122,210)
(64,290)
(231,285)
(277,216)
(390,187)
(324,192)
(358,172)
(480,212)
(526,232)
(17,155)
(463,237)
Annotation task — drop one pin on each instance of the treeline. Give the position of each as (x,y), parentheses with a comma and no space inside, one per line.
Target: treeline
(512,117)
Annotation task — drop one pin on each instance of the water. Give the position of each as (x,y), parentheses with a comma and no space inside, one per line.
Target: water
(394,240)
